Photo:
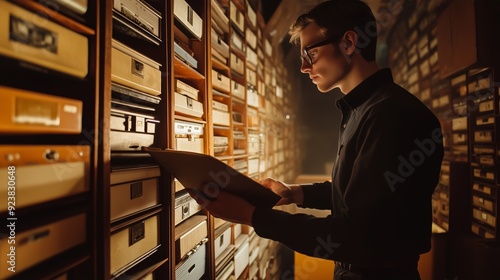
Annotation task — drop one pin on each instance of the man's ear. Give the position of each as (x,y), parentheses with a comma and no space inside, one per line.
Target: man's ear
(349,42)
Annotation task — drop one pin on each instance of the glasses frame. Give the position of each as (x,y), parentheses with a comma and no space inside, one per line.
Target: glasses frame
(305,52)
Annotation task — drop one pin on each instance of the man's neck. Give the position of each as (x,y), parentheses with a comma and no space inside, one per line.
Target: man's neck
(360,72)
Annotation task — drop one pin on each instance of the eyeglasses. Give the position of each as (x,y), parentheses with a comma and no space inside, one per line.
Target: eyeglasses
(305,55)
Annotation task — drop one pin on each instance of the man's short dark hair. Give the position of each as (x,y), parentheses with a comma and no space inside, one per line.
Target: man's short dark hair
(335,17)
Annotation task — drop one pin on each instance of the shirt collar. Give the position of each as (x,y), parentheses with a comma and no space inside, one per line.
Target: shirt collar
(365,89)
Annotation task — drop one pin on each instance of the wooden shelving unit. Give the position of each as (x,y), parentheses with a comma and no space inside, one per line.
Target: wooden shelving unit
(135,74)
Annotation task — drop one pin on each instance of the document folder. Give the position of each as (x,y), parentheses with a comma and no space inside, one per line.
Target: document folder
(210,176)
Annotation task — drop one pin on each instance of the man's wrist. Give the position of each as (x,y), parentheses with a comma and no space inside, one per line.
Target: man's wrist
(297,194)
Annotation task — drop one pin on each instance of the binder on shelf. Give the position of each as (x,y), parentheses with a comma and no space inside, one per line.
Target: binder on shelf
(50,45)
(185,56)
(212,173)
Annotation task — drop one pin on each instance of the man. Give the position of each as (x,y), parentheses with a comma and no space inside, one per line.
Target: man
(387,165)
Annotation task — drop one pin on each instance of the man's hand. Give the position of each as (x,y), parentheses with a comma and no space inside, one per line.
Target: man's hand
(225,206)
(289,193)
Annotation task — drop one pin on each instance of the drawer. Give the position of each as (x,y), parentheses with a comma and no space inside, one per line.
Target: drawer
(131,243)
(185,207)
(132,197)
(220,82)
(241,256)
(36,245)
(237,65)
(188,106)
(483,136)
(189,236)
(188,18)
(484,217)
(134,70)
(62,49)
(484,203)
(43,173)
(459,123)
(194,145)
(237,17)
(193,268)
(238,90)
(251,77)
(222,242)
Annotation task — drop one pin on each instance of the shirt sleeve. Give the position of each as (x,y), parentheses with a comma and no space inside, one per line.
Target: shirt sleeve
(317,195)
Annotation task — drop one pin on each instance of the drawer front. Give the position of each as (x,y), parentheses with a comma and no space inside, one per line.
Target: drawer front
(137,11)
(188,17)
(63,50)
(241,258)
(185,207)
(220,81)
(222,242)
(191,240)
(193,268)
(190,144)
(237,65)
(237,17)
(30,112)
(133,242)
(134,70)
(484,217)
(44,173)
(483,203)
(238,90)
(188,106)
(36,245)
(133,197)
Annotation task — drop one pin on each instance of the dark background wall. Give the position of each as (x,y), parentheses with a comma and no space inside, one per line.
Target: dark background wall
(318,119)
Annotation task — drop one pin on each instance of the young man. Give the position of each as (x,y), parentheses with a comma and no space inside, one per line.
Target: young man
(387,165)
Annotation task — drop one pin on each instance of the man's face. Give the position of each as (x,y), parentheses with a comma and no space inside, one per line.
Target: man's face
(329,64)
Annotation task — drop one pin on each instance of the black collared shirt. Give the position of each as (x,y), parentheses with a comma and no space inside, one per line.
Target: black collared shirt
(387,167)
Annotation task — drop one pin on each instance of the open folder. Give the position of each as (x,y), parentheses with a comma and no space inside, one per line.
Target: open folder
(211,176)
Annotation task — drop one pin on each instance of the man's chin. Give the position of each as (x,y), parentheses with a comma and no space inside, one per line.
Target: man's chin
(324,89)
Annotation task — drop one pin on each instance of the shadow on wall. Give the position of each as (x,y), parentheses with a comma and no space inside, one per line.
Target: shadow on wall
(320,120)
